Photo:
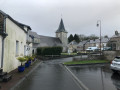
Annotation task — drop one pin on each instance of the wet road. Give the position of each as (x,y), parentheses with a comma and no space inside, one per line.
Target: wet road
(50,75)
(97,77)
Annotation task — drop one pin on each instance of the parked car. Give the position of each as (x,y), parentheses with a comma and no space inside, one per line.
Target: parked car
(115,64)
(91,48)
(107,48)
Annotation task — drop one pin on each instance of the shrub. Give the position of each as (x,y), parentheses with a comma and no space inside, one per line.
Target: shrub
(39,51)
(49,50)
(28,58)
(22,59)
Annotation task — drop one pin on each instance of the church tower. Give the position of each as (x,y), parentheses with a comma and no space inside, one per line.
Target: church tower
(61,33)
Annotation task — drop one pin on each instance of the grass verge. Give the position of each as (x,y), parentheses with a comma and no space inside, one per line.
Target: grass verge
(68,54)
(86,62)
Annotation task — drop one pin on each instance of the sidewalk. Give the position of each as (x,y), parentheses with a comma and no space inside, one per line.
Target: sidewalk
(17,76)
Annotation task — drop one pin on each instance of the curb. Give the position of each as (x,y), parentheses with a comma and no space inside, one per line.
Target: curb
(86,64)
(19,82)
(81,85)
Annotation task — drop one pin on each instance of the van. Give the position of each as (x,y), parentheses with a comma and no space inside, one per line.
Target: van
(91,48)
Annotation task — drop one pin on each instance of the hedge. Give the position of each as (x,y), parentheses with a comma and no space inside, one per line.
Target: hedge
(49,50)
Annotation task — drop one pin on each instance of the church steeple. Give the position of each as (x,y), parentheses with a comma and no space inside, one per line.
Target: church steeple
(61,27)
(61,33)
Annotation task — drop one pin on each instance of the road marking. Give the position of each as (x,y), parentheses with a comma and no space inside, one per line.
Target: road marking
(78,82)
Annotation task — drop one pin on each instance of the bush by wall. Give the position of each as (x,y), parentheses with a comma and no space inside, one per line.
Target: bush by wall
(49,50)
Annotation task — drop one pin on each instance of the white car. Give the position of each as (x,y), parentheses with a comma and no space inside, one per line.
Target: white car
(115,64)
(91,48)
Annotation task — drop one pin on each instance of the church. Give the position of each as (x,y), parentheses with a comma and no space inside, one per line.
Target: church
(47,41)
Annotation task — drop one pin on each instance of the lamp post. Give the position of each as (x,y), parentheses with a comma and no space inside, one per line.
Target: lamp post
(99,25)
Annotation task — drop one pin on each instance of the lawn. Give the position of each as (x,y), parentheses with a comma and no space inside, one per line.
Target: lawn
(68,54)
(86,62)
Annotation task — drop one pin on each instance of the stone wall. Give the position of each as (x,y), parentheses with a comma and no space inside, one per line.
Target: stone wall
(88,57)
(109,55)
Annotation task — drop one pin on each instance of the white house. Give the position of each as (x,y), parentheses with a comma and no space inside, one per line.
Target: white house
(13,42)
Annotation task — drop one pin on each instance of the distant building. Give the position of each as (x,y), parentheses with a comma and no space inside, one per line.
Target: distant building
(96,43)
(61,33)
(43,41)
(114,41)
(47,41)
(34,39)
(83,45)
(72,46)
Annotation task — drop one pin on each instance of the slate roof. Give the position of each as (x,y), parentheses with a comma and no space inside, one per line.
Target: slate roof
(45,41)
(16,22)
(103,40)
(33,34)
(82,43)
(61,27)
(49,41)
(73,43)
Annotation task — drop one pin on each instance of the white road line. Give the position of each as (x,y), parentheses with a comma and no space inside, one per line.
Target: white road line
(75,78)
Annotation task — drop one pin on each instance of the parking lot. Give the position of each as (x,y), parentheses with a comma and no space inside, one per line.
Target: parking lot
(97,77)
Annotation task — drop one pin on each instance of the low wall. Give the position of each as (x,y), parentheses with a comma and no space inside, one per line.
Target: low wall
(109,55)
(88,57)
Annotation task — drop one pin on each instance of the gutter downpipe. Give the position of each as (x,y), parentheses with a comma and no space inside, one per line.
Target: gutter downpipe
(2,52)
(3,38)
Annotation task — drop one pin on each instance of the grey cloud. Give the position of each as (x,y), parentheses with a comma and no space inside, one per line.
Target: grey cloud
(79,16)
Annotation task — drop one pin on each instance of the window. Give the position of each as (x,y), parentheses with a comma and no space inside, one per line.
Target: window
(17,48)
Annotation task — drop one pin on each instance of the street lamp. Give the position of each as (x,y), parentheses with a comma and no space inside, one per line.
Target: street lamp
(99,25)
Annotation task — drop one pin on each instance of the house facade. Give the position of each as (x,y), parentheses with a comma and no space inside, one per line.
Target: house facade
(114,41)
(13,42)
(33,41)
(72,46)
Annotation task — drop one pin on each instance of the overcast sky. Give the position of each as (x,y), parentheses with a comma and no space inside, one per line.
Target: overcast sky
(79,16)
